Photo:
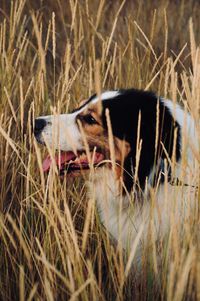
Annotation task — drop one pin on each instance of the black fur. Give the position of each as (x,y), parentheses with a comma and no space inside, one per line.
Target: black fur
(124,112)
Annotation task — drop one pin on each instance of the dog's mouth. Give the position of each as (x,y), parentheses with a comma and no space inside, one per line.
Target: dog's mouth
(68,162)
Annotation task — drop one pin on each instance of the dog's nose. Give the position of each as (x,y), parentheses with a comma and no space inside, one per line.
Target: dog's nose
(39,126)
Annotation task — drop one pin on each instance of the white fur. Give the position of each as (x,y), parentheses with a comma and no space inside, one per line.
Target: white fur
(125,216)
(189,139)
(186,122)
(106,95)
(62,132)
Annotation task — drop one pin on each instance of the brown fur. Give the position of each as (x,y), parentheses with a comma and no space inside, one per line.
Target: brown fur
(97,136)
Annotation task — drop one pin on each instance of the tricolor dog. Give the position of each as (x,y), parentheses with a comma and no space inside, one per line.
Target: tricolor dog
(132,143)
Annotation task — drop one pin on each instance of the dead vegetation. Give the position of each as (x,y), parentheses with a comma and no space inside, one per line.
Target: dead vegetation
(53,54)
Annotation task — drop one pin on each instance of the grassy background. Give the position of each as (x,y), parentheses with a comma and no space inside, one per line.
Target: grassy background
(52,55)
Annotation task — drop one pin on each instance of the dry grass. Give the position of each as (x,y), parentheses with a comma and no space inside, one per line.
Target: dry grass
(52,244)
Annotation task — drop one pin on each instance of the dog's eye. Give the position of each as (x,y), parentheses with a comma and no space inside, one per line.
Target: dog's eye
(89,119)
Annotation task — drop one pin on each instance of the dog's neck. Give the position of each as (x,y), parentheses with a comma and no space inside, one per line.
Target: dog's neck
(116,210)
(124,215)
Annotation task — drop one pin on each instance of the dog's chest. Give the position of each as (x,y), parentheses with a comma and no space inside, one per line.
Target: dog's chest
(124,218)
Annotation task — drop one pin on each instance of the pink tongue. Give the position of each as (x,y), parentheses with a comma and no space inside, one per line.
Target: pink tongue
(64,157)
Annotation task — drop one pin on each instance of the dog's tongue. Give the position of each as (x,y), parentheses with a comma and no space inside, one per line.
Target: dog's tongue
(60,159)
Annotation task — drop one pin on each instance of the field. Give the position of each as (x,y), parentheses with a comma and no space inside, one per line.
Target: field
(52,55)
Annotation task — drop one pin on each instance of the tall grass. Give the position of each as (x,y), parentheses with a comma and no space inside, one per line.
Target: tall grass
(53,54)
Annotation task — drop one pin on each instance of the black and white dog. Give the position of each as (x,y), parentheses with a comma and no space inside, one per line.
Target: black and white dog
(133,143)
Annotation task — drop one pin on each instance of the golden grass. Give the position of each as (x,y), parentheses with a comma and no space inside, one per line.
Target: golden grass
(53,54)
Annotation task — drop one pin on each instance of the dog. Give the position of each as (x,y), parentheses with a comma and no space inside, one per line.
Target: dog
(134,144)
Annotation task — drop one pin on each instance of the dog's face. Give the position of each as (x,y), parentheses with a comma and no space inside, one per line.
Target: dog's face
(107,128)
(81,138)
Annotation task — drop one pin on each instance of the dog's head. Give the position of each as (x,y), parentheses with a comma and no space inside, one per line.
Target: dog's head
(131,127)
